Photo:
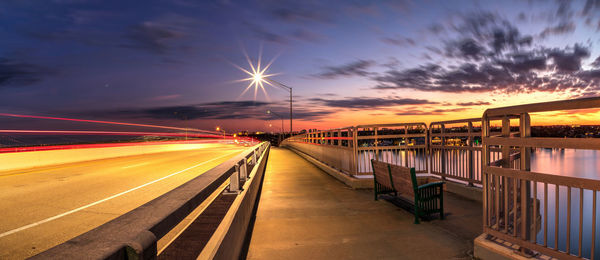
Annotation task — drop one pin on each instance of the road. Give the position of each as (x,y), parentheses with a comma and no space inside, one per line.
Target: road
(43,207)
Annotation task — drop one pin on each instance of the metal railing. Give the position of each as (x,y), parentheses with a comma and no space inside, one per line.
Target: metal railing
(351,149)
(455,152)
(336,147)
(517,201)
(403,144)
(134,235)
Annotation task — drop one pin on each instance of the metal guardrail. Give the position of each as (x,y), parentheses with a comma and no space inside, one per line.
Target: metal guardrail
(134,235)
(516,200)
(456,152)
(351,149)
(403,144)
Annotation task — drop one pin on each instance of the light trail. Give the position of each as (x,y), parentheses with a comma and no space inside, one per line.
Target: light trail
(69,132)
(104,145)
(10,232)
(105,122)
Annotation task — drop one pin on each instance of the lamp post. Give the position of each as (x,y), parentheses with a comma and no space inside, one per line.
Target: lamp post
(221,130)
(283,86)
(281,131)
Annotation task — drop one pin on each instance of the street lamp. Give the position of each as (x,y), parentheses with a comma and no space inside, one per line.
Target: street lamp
(221,130)
(258,76)
(281,86)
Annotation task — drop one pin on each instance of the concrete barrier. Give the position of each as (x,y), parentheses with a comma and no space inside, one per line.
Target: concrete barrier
(25,160)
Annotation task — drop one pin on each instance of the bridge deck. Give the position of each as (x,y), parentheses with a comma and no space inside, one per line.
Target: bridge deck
(304,213)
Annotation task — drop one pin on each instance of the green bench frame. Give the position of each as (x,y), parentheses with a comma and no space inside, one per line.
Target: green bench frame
(428,198)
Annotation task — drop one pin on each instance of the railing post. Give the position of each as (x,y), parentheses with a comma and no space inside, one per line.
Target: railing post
(470,153)
(485,160)
(443,149)
(376,140)
(406,146)
(355,148)
(525,165)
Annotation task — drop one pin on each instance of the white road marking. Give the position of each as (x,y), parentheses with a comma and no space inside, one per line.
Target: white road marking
(105,199)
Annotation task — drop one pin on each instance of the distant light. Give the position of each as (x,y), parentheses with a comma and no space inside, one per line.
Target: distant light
(218,128)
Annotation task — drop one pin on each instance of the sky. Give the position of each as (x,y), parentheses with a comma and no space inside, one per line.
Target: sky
(178,62)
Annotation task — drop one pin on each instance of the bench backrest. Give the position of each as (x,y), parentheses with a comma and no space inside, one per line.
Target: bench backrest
(404,179)
(381,173)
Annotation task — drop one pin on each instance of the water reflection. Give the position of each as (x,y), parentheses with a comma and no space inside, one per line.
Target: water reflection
(574,163)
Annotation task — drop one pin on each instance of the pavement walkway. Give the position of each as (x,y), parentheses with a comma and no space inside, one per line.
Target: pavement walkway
(304,213)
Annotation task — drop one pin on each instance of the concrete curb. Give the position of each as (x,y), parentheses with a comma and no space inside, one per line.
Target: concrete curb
(489,250)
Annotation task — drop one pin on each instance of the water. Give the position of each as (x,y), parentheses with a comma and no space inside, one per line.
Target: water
(574,163)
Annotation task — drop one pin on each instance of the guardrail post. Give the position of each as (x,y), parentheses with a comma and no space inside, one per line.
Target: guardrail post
(234,181)
(244,169)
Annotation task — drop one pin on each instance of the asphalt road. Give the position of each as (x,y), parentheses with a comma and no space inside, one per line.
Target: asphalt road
(43,207)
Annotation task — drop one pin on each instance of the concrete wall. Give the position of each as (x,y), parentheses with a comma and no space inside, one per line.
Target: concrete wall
(228,240)
(338,157)
(24,160)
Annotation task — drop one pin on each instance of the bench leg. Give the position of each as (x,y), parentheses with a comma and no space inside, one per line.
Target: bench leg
(416,213)
(441,203)
(375,187)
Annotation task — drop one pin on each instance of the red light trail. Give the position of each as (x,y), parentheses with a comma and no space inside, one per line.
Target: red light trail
(67,132)
(106,122)
(83,146)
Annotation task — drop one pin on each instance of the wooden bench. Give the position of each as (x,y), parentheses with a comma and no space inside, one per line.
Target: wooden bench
(426,198)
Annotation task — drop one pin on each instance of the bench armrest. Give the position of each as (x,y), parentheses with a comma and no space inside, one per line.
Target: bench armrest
(432,184)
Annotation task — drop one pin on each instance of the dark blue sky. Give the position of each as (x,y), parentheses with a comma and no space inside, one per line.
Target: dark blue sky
(349,62)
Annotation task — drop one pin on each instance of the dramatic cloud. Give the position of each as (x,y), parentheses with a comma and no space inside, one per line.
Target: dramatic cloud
(152,37)
(306,35)
(567,60)
(491,55)
(356,68)
(478,103)
(266,35)
(562,28)
(419,112)
(596,63)
(293,12)
(15,73)
(370,103)
(219,110)
(399,41)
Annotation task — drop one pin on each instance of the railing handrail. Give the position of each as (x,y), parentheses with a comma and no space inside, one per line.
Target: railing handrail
(457,121)
(580,103)
(143,226)
(392,124)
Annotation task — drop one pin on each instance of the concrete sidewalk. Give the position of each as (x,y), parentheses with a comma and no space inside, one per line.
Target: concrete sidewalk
(304,213)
